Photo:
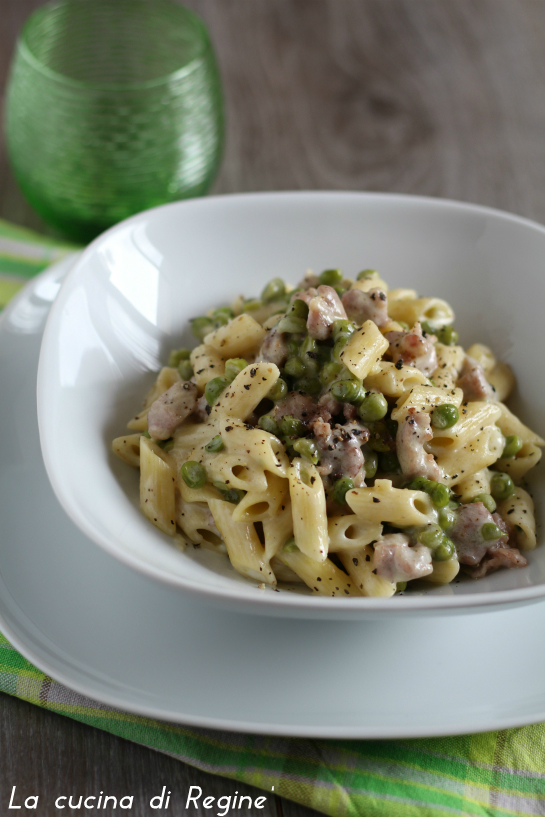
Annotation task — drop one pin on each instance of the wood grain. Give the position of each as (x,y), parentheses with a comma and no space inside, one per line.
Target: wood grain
(414,96)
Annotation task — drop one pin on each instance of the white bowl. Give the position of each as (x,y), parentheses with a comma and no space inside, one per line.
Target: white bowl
(128,300)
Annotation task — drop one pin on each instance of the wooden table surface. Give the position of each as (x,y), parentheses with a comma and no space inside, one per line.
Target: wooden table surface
(436,97)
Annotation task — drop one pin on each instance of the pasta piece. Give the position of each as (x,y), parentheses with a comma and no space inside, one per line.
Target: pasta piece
(257,506)
(443,572)
(364,350)
(245,551)
(433,310)
(323,577)
(360,566)
(127,448)
(196,521)
(471,486)
(394,382)
(425,398)
(476,454)
(246,391)
(402,294)
(502,379)
(278,530)
(207,363)
(157,486)
(349,532)
(241,336)
(484,356)
(518,514)
(517,466)
(510,424)
(473,418)
(252,449)
(398,506)
(166,378)
(450,360)
(365,284)
(308,510)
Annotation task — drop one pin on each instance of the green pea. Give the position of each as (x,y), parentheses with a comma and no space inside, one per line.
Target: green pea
(340,291)
(331,277)
(373,407)
(448,336)
(307,449)
(252,304)
(290,546)
(294,345)
(370,464)
(299,309)
(193,474)
(401,586)
(490,531)
(342,327)
(146,434)
(366,273)
(216,444)
(294,367)
(166,445)
(440,495)
(348,391)
(309,385)
(513,444)
(421,484)
(453,504)
(329,372)
(431,536)
(501,486)
(176,355)
(339,347)
(278,391)
(405,326)
(233,495)
(267,423)
(233,367)
(201,327)
(341,488)
(446,518)
(487,501)
(223,310)
(290,426)
(185,370)
(214,388)
(389,463)
(274,290)
(444,416)
(444,551)
(379,439)
(292,325)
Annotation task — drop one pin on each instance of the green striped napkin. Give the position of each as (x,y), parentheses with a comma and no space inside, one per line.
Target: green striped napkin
(498,773)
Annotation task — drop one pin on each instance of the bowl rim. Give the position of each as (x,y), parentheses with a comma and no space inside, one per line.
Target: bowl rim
(268,603)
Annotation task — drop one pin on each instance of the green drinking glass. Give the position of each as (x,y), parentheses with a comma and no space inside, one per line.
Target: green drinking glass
(112,107)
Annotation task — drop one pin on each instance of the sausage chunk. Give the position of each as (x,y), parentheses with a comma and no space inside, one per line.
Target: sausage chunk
(171,408)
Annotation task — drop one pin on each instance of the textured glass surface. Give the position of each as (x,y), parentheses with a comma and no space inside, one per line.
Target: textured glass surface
(112,107)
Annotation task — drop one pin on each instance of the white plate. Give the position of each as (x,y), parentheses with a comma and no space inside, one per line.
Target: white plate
(128,300)
(127,641)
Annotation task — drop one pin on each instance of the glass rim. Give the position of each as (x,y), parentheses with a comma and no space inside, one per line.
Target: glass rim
(26,52)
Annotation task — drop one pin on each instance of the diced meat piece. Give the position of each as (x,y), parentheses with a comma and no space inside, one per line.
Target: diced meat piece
(466,534)
(366,306)
(299,405)
(202,409)
(171,408)
(396,561)
(412,433)
(340,450)
(310,280)
(473,382)
(324,309)
(413,349)
(329,407)
(274,348)
(494,560)
(500,523)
